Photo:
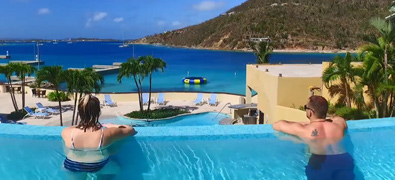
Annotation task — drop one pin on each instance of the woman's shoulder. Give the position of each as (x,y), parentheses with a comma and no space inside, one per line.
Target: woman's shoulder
(66,131)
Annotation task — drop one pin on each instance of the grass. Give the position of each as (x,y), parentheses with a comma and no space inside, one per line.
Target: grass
(156,114)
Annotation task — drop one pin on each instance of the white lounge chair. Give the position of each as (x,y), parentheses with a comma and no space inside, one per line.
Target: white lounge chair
(199,99)
(108,101)
(35,115)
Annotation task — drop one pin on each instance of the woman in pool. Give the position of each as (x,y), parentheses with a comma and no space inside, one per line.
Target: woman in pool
(86,144)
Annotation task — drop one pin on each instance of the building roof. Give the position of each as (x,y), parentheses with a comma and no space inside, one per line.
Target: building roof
(293,70)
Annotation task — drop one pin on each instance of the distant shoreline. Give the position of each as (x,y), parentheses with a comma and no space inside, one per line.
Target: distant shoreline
(335,51)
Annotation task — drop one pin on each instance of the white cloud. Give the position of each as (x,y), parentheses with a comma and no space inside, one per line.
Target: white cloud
(96,17)
(208,5)
(44,11)
(161,23)
(99,16)
(117,20)
(176,23)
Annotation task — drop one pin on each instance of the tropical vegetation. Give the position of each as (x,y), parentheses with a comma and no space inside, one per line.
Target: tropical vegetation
(8,71)
(156,113)
(139,69)
(82,82)
(262,51)
(373,81)
(298,24)
(56,76)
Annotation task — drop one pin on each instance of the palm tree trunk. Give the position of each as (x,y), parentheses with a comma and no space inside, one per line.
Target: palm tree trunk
(348,99)
(150,89)
(141,96)
(75,107)
(76,119)
(23,91)
(385,95)
(138,93)
(13,95)
(60,107)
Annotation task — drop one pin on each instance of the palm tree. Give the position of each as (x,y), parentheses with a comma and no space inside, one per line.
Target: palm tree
(262,51)
(85,82)
(377,55)
(22,70)
(341,69)
(152,64)
(54,75)
(134,68)
(8,71)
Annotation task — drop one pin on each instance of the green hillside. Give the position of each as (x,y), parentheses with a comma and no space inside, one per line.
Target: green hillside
(299,24)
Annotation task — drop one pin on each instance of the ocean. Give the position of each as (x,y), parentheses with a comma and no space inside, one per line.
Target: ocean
(224,70)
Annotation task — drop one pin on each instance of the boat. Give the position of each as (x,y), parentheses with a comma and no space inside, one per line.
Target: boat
(69,41)
(194,80)
(123,45)
(55,42)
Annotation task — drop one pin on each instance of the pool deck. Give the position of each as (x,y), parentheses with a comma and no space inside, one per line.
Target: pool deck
(107,112)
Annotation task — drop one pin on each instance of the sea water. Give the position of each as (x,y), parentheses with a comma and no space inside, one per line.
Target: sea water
(224,70)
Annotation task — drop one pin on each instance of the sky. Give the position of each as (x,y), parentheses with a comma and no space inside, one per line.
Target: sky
(58,19)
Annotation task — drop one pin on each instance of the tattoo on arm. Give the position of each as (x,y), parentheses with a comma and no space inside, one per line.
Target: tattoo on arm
(314,132)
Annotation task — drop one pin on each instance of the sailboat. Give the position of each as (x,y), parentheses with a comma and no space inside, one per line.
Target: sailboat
(123,45)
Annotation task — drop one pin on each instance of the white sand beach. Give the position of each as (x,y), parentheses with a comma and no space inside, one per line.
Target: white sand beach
(126,103)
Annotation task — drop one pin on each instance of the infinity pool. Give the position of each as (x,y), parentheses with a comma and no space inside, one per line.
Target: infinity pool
(201,152)
(202,119)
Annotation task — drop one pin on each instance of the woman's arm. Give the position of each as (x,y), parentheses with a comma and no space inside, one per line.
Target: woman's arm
(118,132)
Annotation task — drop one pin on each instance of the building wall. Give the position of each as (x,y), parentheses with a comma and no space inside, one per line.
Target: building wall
(279,98)
(266,87)
(291,114)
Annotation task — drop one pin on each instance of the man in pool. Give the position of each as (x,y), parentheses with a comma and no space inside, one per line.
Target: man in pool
(328,159)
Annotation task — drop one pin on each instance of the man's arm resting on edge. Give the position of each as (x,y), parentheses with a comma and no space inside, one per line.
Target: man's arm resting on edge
(288,127)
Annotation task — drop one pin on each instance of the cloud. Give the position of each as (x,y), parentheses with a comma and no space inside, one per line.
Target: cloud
(96,17)
(44,11)
(117,20)
(161,23)
(176,23)
(208,5)
(99,16)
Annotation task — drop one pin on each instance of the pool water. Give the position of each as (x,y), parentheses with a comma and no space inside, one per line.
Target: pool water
(202,119)
(204,152)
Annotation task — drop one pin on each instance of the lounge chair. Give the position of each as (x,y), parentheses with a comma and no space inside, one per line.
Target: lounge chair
(213,100)
(46,109)
(145,98)
(161,99)
(108,101)
(199,99)
(35,115)
(5,121)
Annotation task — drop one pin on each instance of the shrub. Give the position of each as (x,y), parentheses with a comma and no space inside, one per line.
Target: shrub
(351,113)
(53,97)
(156,114)
(18,115)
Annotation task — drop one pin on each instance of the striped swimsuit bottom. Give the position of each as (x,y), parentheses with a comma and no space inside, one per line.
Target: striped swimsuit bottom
(74,166)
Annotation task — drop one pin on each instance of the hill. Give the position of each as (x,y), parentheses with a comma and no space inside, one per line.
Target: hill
(298,24)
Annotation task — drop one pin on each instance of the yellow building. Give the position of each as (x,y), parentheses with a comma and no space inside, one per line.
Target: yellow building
(282,90)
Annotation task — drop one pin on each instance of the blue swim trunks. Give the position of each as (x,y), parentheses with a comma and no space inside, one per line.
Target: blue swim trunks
(330,167)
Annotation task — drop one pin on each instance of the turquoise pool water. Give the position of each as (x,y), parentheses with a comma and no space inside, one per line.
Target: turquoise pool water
(203,119)
(201,152)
